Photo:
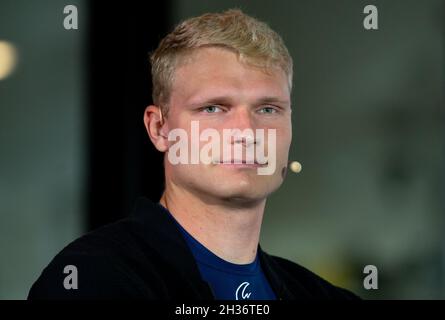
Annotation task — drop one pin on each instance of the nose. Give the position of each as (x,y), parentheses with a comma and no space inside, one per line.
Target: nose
(243,118)
(244,126)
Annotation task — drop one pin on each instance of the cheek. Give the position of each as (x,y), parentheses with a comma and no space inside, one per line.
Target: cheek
(284,138)
(287,139)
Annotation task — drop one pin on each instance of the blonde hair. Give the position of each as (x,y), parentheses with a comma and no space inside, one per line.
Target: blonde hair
(254,42)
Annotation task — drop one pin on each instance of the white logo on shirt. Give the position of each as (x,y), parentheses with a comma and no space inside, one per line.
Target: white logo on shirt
(244,295)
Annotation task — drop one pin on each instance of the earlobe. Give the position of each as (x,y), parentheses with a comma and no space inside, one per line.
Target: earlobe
(154,122)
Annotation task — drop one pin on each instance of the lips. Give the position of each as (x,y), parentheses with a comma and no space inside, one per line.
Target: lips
(235,162)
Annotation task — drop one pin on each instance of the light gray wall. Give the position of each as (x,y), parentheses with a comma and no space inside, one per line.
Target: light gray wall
(41,140)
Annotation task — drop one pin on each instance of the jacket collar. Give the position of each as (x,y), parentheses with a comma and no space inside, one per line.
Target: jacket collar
(161,233)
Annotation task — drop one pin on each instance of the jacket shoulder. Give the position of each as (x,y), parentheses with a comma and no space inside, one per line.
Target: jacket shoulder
(99,265)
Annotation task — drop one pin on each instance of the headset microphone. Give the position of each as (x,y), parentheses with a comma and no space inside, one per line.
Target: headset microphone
(295,166)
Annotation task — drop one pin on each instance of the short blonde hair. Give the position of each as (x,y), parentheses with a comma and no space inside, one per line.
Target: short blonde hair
(254,42)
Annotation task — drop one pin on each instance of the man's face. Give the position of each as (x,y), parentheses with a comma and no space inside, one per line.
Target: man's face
(219,92)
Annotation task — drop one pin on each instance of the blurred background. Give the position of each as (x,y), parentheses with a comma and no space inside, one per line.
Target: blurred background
(368,127)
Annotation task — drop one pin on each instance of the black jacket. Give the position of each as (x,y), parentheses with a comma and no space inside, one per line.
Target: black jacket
(145,256)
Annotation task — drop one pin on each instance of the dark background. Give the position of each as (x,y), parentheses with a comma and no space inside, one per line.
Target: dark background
(122,162)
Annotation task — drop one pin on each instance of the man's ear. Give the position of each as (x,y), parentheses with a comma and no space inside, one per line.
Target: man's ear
(154,123)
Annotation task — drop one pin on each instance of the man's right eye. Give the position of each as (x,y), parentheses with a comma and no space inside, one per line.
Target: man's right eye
(211,109)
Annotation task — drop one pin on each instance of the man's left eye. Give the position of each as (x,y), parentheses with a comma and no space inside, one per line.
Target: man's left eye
(268,110)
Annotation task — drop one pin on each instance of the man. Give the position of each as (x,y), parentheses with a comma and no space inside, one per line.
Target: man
(224,79)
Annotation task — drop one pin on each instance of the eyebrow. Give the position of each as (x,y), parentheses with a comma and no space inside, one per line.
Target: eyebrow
(272,99)
(224,100)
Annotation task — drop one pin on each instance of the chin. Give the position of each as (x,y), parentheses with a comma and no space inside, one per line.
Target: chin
(242,192)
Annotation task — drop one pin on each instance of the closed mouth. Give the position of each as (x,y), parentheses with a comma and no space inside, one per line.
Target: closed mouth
(241,163)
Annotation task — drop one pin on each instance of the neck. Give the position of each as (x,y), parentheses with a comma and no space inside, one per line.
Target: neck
(230,231)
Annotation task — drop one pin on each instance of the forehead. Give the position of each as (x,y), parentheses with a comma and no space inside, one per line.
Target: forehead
(214,71)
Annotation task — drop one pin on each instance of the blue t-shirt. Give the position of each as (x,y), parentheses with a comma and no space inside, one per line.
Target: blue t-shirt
(229,281)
